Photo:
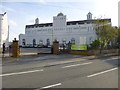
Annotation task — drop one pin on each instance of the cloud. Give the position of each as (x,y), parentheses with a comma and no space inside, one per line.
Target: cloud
(31,21)
(42,1)
(10,9)
(7,8)
(109,9)
(12,23)
(46,1)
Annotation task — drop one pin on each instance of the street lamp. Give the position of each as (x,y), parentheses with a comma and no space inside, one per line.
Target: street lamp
(52,35)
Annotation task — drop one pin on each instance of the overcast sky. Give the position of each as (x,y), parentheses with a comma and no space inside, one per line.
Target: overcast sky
(24,12)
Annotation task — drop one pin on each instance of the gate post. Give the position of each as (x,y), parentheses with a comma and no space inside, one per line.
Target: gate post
(69,47)
(15,48)
(56,47)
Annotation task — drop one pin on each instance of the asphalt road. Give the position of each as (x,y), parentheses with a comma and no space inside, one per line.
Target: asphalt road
(77,73)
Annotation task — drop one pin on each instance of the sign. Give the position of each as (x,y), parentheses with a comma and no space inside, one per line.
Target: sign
(79,47)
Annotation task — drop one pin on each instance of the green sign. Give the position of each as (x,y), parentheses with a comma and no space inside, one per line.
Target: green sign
(79,47)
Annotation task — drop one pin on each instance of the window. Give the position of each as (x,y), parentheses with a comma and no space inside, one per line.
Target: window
(48,42)
(41,42)
(73,41)
(90,39)
(23,42)
(83,40)
(34,42)
(64,41)
(76,28)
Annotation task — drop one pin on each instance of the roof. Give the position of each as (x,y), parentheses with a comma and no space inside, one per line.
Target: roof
(89,13)
(3,14)
(68,23)
(39,25)
(60,14)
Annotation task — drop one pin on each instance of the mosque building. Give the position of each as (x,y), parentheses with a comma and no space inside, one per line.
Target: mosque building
(76,32)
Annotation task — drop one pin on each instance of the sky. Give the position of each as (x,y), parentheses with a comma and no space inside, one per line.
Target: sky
(24,12)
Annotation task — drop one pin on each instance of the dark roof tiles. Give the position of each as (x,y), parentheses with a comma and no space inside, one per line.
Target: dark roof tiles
(68,23)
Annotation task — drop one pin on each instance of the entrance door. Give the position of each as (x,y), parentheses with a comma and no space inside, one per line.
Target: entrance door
(34,42)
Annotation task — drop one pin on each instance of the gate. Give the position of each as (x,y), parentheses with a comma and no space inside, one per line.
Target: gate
(64,48)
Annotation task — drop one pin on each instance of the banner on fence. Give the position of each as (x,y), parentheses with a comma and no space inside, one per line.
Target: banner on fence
(79,47)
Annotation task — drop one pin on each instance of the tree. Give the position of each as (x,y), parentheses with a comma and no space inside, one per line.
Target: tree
(117,39)
(105,32)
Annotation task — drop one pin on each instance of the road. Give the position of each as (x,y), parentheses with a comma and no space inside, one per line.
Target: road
(70,73)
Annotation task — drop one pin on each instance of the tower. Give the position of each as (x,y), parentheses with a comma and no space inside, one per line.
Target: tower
(89,16)
(59,25)
(59,21)
(37,21)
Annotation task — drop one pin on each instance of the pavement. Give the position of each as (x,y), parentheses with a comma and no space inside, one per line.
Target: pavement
(28,57)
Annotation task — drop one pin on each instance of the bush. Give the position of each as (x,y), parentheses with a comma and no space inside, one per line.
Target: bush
(95,44)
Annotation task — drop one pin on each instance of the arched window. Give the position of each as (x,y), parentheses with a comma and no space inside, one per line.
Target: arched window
(64,41)
(34,42)
(23,42)
(48,42)
(73,41)
(90,39)
(41,42)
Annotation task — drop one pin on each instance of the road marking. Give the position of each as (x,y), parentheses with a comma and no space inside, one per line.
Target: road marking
(102,72)
(111,59)
(54,85)
(8,74)
(77,65)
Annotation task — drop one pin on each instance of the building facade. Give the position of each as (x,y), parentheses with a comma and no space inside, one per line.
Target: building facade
(119,14)
(76,32)
(4,30)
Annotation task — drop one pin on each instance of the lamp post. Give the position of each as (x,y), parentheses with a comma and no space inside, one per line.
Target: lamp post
(52,34)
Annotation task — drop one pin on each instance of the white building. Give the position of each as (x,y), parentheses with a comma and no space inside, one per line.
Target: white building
(76,32)
(4,32)
(119,14)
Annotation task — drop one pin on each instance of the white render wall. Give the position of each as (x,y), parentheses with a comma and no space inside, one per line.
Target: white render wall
(119,14)
(65,34)
(59,31)
(4,33)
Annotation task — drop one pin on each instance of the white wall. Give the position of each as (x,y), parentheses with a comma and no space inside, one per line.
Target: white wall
(119,14)
(71,31)
(60,31)
(4,29)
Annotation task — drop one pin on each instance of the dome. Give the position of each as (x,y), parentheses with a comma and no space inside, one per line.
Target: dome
(60,14)
(89,16)
(89,13)
(37,21)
